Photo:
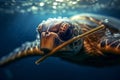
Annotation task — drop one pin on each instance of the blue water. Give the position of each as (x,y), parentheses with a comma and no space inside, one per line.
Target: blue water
(16,29)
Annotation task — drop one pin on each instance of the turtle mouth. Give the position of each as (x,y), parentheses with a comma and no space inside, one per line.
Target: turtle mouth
(45,50)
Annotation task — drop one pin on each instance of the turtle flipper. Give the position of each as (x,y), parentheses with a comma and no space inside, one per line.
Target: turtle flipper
(27,49)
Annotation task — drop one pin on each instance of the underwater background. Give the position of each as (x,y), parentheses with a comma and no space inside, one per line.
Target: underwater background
(18,22)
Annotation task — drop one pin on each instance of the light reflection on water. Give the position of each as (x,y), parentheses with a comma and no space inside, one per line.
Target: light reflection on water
(43,7)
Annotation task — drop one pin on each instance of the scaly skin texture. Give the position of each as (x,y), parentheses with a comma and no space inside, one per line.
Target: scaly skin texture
(91,50)
(102,41)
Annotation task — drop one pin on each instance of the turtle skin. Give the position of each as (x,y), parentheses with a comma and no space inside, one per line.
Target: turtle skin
(99,49)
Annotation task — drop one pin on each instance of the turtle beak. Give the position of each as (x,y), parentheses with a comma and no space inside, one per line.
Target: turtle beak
(48,41)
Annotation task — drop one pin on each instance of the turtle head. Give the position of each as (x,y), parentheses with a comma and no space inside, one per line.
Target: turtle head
(54,32)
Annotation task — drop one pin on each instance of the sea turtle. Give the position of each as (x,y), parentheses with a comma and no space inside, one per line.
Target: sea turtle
(101,48)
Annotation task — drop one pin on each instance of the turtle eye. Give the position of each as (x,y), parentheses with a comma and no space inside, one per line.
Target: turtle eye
(64,27)
(65,31)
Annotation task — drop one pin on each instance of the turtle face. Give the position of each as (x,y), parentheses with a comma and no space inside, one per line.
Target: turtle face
(54,33)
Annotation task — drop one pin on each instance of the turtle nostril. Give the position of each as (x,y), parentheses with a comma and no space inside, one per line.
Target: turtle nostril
(45,50)
(46,32)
